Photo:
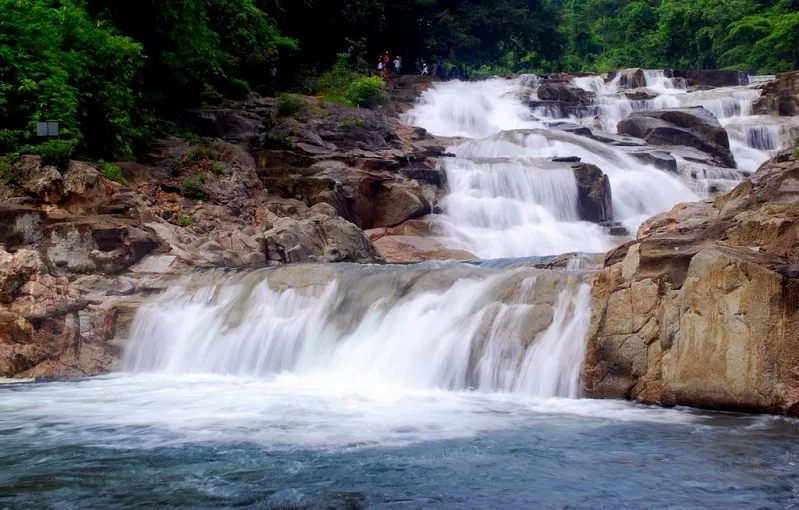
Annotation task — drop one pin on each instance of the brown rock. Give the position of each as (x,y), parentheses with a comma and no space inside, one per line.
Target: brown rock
(780,96)
(701,309)
(595,202)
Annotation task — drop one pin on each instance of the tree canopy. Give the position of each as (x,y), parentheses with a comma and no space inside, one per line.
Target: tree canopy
(107,69)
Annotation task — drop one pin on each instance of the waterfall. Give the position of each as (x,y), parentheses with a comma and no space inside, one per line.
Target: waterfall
(506,197)
(453,327)
(766,138)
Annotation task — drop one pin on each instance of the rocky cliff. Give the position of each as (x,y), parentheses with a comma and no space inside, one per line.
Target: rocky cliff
(81,246)
(701,309)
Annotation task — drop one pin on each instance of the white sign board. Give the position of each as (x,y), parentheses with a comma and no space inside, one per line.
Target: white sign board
(49,128)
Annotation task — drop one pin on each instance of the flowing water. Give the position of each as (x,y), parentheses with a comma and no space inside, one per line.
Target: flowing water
(507,199)
(435,385)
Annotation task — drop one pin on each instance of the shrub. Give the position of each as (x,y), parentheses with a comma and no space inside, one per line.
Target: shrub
(193,188)
(352,122)
(53,152)
(367,92)
(275,141)
(202,178)
(10,175)
(199,153)
(236,89)
(218,168)
(184,221)
(111,172)
(289,104)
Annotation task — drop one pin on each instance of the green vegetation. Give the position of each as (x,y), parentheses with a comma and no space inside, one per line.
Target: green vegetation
(53,152)
(289,104)
(367,92)
(193,188)
(111,172)
(218,168)
(760,36)
(9,175)
(112,71)
(184,220)
(352,122)
(199,153)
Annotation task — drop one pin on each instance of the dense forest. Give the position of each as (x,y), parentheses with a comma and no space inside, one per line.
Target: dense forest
(112,70)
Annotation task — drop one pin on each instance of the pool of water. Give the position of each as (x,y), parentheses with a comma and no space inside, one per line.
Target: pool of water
(312,442)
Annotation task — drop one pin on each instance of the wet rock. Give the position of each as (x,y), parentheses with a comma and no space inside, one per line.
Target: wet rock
(566,159)
(710,78)
(571,127)
(693,127)
(566,94)
(618,140)
(632,78)
(643,94)
(657,158)
(595,203)
(780,97)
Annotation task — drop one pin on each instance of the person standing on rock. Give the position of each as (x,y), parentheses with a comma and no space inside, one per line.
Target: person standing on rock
(425,70)
(397,64)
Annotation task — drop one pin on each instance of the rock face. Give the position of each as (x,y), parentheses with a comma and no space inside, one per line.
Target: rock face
(693,127)
(595,203)
(710,78)
(632,78)
(565,93)
(701,309)
(79,253)
(780,96)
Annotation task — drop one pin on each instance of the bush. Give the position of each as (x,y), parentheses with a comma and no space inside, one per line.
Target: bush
(367,92)
(193,188)
(289,104)
(198,154)
(10,175)
(53,152)
(274,141)
(236,89)
(352,122)
(111,172)
(184,221)
(218,168)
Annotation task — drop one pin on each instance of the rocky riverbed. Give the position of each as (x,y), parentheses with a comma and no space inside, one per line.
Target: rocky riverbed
(696,308)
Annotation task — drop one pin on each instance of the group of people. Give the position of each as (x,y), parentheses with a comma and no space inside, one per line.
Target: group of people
(385,62)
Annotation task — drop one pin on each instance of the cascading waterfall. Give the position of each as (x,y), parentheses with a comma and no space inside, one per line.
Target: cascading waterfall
(453,327)
(506,197)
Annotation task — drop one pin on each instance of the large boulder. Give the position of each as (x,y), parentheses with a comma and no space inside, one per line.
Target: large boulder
(700,310)
(780,96)
(318,238)
(594,203)
(42,182)
(694,127)
(85,190)
(566,94)
(632,79)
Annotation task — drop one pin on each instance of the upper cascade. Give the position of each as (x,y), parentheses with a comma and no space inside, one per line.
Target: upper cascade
(514,187)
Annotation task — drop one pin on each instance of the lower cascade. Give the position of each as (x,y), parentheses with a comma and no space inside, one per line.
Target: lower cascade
(449,326)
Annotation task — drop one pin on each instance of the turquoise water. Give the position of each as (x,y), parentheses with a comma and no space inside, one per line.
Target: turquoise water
(225,442)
